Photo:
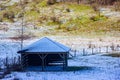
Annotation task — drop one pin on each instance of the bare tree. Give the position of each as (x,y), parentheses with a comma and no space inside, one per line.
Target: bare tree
(22,22)
(78,1)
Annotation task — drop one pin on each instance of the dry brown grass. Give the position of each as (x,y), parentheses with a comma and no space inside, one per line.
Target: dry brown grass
(113,54)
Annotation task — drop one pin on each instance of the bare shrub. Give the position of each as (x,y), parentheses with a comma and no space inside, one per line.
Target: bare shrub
(9,15)
(51,2)
(2,7)
(112,47)
(23,37)
(1,18)
(100,39)
(36,1)
(92,18)
(68,10)
(71,27)
(95,7)
(90,45)
(41,19)
(20,15)
(117,6)
(54,19)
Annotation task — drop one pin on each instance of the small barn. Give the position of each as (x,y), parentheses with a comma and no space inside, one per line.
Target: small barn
(44,55)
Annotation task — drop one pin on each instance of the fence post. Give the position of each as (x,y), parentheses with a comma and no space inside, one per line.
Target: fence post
(14,60)
(75,53)
(19,60)
(6,62)
(99,49)
(118,47)
(92,51)
(83,52)
(107,49)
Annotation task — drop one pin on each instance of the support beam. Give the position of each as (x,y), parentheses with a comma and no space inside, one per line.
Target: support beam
(64,57)
(23,61)
(42,62)
(42,57)
(66,61)
(63,61)
(21,64)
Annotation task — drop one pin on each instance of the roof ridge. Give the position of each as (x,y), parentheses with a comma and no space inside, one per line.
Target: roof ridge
(55,43)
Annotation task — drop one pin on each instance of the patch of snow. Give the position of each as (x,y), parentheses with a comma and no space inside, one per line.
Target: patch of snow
(109,13)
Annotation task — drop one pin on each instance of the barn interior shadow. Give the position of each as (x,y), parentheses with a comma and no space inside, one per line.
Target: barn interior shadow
(52,62)
(60,69)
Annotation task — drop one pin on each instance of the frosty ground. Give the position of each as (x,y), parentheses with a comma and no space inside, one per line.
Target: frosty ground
(94,67)
(91,67)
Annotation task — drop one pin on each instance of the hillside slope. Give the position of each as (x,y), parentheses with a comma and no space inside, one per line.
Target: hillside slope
(61,18)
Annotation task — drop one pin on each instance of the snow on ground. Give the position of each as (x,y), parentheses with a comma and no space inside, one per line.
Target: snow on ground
(92,67)
(8,49)
(109,13)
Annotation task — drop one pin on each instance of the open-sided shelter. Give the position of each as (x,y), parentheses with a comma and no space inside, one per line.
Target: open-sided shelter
(45,54)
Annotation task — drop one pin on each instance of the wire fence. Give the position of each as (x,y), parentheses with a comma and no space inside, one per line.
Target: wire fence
(13,61)
(9,64)
(95,50)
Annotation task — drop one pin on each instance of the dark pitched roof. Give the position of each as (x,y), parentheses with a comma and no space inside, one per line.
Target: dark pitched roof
(45,45)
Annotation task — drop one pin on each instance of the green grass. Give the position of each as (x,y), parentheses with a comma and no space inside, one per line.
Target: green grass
(32,15)
(53,23)
(78,8)
(42,4)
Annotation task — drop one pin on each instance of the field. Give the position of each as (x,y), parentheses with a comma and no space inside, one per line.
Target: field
(94,67)
(91,31)
(99,66)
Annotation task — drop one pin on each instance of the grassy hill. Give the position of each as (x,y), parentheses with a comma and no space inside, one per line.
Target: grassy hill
(61,18)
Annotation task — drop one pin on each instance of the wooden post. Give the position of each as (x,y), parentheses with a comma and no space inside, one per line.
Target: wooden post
(6,62)
(42,58)
(14,61)
(100,49)
(107,49)
(62,55)
(83,52)
(66,62)
(21,62)
(75,53)
(26,63)
(42,62)
(92,51)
